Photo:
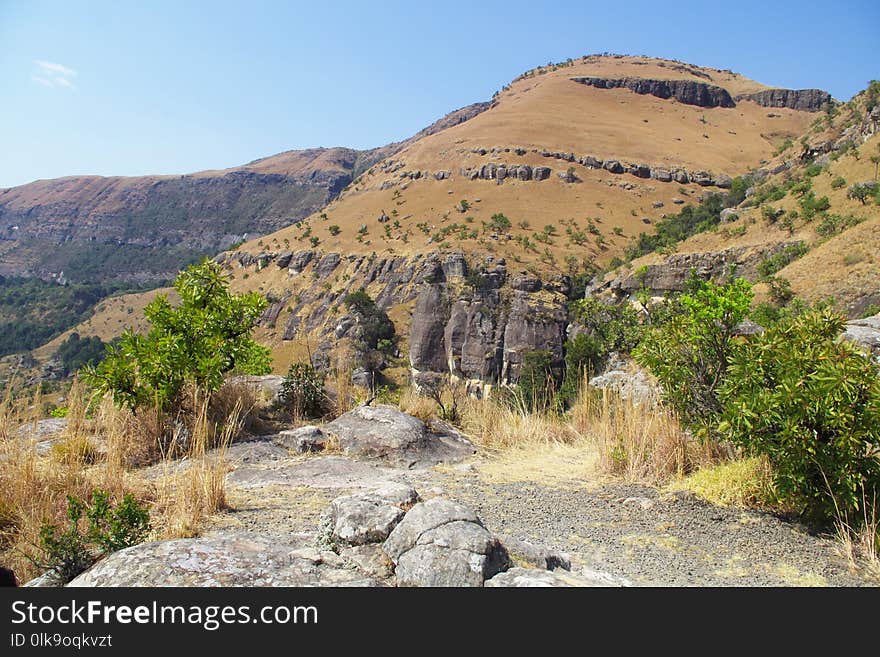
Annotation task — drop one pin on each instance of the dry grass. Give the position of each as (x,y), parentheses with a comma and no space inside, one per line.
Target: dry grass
(860,541)
(104,448)
(637,442)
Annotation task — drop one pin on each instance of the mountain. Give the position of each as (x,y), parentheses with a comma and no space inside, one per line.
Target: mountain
(604,173)
(144,229)
(475,239)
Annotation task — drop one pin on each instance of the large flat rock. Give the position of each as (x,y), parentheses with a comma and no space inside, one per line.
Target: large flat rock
(326,472)
(230,560)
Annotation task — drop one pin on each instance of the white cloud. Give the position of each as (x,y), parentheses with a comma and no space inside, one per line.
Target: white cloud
(52,75)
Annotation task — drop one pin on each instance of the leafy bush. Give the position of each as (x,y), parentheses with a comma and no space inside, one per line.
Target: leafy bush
(811,403)
(375,325)
(68,552)
(302,390)
(781,259)
(206,336)
(689,353)
(859,192)
(838,182)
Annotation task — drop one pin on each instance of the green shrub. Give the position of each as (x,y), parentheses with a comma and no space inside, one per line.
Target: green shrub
(689,353)
(838,182)
(207,335)
(811,403)
(374,322)
(302,391)
(69,551)
(782,259)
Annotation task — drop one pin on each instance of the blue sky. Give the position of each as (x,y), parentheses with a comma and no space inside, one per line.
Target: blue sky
(126,88)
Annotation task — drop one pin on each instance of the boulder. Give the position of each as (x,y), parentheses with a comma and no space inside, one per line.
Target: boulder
(541,173)
(628,380)
(302,440)
(384,432)
(442,543)
(284,259)
(613,166)
(268,385)
(864,333)
(535,556)
(228,560)
(369,516)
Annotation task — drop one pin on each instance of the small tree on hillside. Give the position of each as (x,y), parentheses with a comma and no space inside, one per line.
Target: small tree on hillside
(198,341)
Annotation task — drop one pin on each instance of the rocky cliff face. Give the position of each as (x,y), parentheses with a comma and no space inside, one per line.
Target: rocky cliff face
(472,320)
(688,92)
(806,100)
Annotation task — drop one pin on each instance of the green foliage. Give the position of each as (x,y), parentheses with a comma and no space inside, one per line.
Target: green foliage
(32,311)
(832,224)
(206,336)
(838,182)
(872,95)
(302,391)
(811,403)
(689,221)
(499,223)
(374,323)
(859,192)
(810,205)
(603,328)
(689,352)
(780,260)
(76,352)
(69,551)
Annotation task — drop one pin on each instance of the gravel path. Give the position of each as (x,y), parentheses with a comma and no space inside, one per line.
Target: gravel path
(636,532)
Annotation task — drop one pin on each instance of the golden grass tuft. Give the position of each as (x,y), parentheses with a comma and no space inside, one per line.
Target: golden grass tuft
(104,447)
(745,483)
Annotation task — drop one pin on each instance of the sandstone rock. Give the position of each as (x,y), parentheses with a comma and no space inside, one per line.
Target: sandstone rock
(442,543)
(383,432)
(541,173)
(327,264)
(526,283)
(535,556)
(300,261)
(724,181)
(321,472)
(527,577)
(613,166)
(625,378)
(806,100)
(284,259)
(661,175)
(591,162)
(369,516)
(302,440)
(228,560)
(269,385)
(688,92)
(865,333)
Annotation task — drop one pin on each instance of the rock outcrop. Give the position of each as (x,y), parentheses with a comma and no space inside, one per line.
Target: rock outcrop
(865,333)
(805,100)
(671,274)
(688,92)
(385,433)
(228,560)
